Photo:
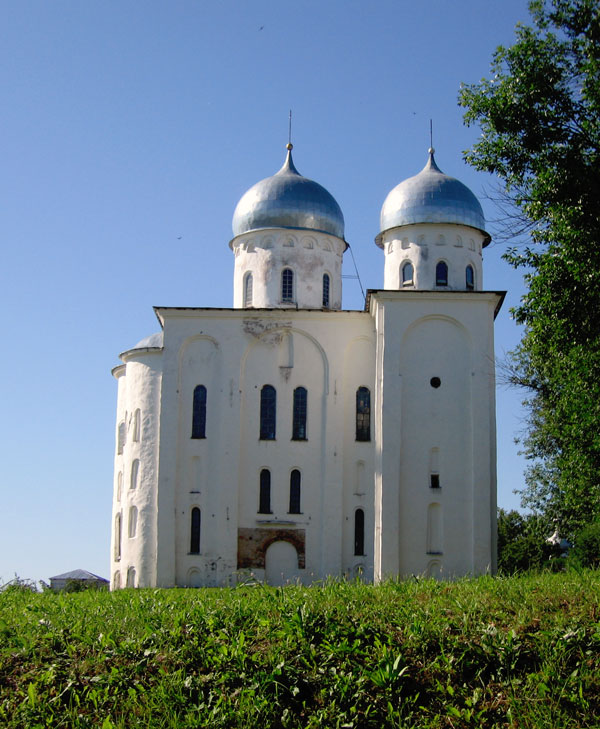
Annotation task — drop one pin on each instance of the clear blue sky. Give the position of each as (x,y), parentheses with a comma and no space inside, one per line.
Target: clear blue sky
(129,131)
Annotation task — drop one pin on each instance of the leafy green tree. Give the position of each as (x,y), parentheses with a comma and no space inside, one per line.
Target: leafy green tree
(586,551)
(523,542)
(539,115)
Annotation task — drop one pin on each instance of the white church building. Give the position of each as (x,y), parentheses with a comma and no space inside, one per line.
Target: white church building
(290,439)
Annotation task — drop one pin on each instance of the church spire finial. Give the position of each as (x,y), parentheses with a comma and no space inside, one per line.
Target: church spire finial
(288,165)
(289,144)
(431,149)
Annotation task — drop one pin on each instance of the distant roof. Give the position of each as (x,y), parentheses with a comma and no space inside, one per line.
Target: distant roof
(78,575)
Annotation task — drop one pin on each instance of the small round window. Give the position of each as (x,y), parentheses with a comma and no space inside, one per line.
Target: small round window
(435,382)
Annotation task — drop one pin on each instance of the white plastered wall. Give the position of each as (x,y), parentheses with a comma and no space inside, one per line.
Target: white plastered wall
(423,335)
(236,354)
(309,254)
(139,385)
(424,245)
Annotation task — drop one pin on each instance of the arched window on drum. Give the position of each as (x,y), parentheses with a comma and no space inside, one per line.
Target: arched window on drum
(441,274)
(287,286)
(326,288)
(470,278)
(248,290)
(407,274)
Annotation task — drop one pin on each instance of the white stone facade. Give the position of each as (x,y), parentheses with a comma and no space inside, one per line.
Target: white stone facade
(265,254)
(288,439)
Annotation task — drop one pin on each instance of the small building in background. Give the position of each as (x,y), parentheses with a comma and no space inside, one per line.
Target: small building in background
(78,578)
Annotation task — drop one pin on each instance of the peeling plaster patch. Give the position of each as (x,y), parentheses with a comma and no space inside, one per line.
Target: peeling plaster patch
(285,372)
(253,545)
(311,266)
(269,332)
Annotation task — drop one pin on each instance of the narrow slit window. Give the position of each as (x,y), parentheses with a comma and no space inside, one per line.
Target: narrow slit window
(135,472)
(121,438)
(299,414)
(130,577)
(363,414)
(434,480)
(199,413)
(295,480)
(287,285)
(268,405)
(248,283)
(407,274)
(133,515)
(264,497)
(118,535)
(470,277)
(137,416)
(441,274)
(326,286)
(359,532)
(435,529)
(195,531)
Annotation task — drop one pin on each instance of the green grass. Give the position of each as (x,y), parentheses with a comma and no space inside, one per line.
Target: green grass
(490,652)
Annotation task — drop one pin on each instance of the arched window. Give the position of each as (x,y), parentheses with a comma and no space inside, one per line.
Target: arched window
(119,485)
(248,290)
(132,526)
(137,416)
(299,414)
(359,532)
(287,285)
(135,470)
(434,468)
(195,531)
(295,480)
(441,274)
(435,530)
(268,404)
(407,274)
(121,434)
(326,285)
(264,497)
(118,535)
(363,414)
(131,577)
(199,414)
(470,277)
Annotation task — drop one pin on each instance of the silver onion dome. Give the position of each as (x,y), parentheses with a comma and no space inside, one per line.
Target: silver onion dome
(432,197)
(288,200)
(154,341)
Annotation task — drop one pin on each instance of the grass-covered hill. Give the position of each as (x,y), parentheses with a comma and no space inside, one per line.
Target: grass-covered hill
(517,652)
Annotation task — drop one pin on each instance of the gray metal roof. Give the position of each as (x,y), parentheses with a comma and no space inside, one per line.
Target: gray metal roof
(154,340)
(432,197)
(78,575)
(288,200)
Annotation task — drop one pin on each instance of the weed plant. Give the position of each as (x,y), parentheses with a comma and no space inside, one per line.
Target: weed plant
(491,652)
